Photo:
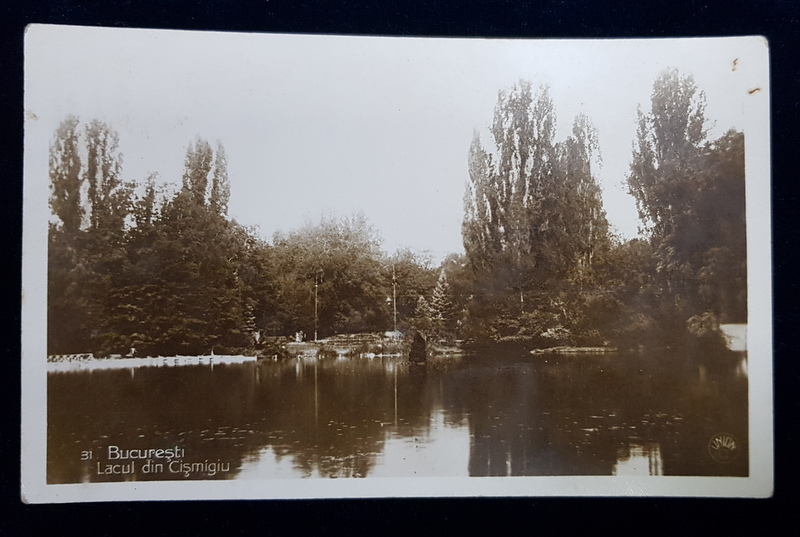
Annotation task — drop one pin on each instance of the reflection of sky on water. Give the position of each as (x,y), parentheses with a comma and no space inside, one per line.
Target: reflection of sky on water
(639,460)
(443,449)
(268,464)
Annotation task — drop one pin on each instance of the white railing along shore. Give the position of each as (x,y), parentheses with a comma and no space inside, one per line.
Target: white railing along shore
(87,362)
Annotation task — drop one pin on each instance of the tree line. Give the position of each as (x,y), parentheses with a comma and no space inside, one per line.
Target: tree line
(160,268)
(155,268)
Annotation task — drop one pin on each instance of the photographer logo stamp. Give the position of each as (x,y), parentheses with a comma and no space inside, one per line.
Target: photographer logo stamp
(723,447)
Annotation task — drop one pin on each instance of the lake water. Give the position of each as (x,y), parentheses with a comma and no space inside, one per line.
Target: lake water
(360,417)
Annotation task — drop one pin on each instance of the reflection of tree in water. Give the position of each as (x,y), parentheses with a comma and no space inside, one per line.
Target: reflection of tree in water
(330,416)
(580,415)
(517,427)
(334,414)
(203,410)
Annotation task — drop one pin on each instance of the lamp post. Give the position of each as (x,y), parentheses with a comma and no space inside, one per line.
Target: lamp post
(316,308)
(393,300)
(316,288)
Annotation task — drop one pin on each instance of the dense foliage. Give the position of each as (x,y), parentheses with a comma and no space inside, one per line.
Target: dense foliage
(148,267)
(544,269)
(152,268)
(690,192)
(534,224)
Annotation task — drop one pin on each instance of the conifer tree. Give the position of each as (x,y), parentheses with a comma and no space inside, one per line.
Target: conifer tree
(422,320)
(441,306)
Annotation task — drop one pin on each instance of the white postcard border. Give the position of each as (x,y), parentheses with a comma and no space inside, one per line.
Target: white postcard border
(755,109)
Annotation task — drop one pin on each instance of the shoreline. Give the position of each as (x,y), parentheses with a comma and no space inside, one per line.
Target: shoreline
(575,350)
(90,364)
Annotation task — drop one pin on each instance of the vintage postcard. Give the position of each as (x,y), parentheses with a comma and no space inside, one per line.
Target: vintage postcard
(303,266)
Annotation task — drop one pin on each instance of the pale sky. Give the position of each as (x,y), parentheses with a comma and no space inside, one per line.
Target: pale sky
(318,125)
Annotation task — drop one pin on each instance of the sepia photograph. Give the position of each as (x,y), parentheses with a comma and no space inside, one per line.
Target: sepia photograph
(306,266)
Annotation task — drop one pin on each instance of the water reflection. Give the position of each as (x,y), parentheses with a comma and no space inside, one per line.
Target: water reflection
(342,417)
(639,460)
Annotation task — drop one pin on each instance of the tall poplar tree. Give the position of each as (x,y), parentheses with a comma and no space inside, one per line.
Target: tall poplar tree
(690,195)
(85,254)
(220,186)
(66,316)
(196,169)
(533,211)
(108,199)
(669,142)
(65,175)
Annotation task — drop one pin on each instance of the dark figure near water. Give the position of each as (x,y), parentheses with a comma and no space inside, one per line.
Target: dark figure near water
(418,352)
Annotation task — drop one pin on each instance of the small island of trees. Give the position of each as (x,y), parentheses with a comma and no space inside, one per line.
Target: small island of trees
(160,268)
